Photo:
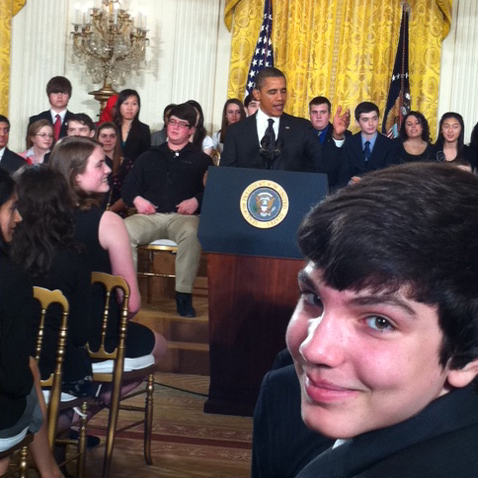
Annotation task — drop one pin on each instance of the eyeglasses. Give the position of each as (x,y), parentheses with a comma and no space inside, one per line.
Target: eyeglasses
(44,135)
(181,124)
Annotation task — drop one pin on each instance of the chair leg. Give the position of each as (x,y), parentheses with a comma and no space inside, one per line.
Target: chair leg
(80,462)
(23,465)
(148,277)
(148,423)
(110,437)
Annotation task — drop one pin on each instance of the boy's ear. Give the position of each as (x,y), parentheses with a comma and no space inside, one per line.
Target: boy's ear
(462,377)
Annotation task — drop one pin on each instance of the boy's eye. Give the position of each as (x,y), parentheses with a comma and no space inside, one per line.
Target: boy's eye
(378,323)
(310,298)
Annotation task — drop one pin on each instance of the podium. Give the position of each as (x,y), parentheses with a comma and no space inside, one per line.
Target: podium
(248,226)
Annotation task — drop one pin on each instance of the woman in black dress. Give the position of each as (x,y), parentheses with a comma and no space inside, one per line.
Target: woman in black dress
(414,142)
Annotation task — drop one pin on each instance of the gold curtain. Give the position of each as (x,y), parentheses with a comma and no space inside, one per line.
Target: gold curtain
(8,9)
(342,49)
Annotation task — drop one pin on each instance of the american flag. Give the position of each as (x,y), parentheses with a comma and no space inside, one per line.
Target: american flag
(263,55)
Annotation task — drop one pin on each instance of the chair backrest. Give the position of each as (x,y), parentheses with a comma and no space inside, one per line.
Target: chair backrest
(111,284)
(46,298)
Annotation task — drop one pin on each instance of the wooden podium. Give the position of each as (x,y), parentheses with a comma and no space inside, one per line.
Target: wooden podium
(252,277)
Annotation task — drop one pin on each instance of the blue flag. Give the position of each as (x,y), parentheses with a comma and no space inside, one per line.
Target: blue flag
(398,102)
(263,55)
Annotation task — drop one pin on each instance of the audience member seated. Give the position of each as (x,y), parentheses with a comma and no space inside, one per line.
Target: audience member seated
(233,112)
(166,187)
(43,245)
(9,161)
(22,408)
(82,163)
(58,90)
(135,136)
(384,337)
(451,140)
(160,137)
(251,104)
(80,124)
(108,136)
(367,150)
(200,137)
(39,141)
(320,110)
(414,141)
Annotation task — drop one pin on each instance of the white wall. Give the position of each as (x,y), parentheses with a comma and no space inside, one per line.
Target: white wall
(188,58)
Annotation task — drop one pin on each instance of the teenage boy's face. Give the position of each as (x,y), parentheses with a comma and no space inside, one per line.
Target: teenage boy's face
(59,101)
(365,360)
(368,123)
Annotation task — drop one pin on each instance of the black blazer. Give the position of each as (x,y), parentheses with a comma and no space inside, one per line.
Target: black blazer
(47,115)
(353,163)
(137,142)
(299,147)
(11,161)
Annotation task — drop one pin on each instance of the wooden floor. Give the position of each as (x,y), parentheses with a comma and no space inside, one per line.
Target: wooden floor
(186,441)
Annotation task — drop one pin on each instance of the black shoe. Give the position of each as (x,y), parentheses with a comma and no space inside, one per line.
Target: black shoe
(91,440)
(184,303)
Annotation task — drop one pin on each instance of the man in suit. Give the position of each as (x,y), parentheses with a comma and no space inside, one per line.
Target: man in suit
(58,90)
(9,161)
(329,140)
(384,338)
(367,150)
(272,139)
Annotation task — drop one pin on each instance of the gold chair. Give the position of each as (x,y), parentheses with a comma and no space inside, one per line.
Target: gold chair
(117,375)
(22,466)
(161,246)
(55,405)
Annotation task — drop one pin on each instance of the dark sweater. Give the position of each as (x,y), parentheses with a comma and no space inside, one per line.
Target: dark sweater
(166,178)
(16,305)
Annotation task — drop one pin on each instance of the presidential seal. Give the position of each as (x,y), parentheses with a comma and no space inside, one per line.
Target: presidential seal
(264,204)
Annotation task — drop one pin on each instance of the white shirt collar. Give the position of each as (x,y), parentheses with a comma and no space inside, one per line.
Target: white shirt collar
(54,113)
(2,152)
(262,123)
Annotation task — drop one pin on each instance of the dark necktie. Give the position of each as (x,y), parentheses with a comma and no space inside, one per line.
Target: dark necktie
(366,151)
(57,127)
(269,140)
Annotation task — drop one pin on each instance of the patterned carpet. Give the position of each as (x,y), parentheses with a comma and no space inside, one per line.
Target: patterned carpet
(186,442)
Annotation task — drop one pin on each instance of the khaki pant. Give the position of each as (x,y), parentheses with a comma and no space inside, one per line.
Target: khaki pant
(180,228)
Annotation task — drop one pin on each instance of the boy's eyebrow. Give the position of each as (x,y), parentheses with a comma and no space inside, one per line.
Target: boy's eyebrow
(302,276)
(389,299)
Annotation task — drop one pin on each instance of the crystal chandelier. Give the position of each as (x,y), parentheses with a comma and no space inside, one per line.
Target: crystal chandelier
(111,44)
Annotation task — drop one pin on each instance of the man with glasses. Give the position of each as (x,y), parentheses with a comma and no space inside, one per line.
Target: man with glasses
(166,186)
(9,161)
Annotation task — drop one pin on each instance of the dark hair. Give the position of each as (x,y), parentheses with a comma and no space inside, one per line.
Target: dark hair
(44,203)
(186,112)
(59,84)
(200,132)
(248,99)
(461,139)
(34,128)
(117,158)
(392,231)
(167,110)
(365,107)
(224,123)
(269,72)
(122,97)
(84,119)
(320,100)
(7,189)
(423,122)
(70,157)
(4,119)
(474,138)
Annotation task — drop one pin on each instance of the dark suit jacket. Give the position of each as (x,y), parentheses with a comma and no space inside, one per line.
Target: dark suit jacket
(137,142)
(353,163)
(47,115)
(331,154)
(439,442)
(11,161)
(299,147)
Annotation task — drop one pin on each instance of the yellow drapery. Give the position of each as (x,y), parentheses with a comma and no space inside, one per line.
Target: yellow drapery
(8,9)
(342,49)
